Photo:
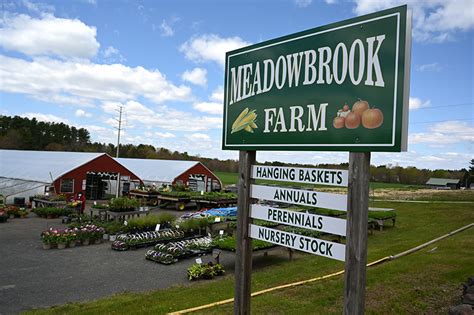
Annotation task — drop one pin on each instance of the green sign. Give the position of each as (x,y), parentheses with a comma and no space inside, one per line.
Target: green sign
(340,87)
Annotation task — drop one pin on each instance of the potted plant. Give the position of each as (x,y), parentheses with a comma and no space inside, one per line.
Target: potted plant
(62,240)
(3,216)
(84,236)
(22,213)
(71,238)
(46,237)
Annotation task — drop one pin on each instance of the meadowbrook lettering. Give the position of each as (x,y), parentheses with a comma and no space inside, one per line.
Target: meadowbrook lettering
(320,66)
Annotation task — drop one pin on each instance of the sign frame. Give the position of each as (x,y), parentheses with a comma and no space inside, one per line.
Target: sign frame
(322,199)
(399,123)
(340,249)
(285,174)
(326,224)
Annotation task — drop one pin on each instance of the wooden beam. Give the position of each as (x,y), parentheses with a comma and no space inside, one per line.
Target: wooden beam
(243,259)
(356,235)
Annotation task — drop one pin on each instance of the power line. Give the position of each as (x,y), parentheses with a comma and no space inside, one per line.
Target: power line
(119,129)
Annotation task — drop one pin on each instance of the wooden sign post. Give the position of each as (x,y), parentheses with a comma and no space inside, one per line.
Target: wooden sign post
(243,257)
(338,87)
(356,235)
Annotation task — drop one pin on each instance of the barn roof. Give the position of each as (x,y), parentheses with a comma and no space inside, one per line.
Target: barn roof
(152,170)
(41,166)
(441,181)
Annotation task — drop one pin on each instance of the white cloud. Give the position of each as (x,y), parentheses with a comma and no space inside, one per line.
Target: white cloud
(416,103)
(163,117)
(48,36)
(165,135)
(113,55)
(210,47)
(82,113)
(218,95)
(45,117)
(433,20)
(443,133)
(166,29)
(214,105)
(38,8)
(209,107)
(196,76)
(303,3)
(101,133)
(435,67)
(44,77)
(199,136)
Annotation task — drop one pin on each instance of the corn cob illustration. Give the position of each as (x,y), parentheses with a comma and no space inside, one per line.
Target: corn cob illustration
(245,121)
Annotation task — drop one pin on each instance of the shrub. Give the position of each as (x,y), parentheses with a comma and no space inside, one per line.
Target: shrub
(142,224)
(113,227)
(3,215)
(230,243)
(51,212)
(100,206)
(193,225)
(123,204)
(166,219)
(206,271)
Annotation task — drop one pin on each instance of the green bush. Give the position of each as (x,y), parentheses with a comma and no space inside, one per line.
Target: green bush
(100,206)
(193,225)
(166,219)
(230,243)
(206,271)
(113,227)
(123,204)
(142,224)
(51,212)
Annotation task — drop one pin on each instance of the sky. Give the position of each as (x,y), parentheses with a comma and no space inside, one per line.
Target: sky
(79,61)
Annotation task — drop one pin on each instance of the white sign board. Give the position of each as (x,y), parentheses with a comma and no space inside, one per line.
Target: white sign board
(299,219)
(299,242)
(300,197)
(301,175)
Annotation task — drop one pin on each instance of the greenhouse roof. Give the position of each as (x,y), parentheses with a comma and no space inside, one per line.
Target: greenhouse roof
(41,166)
(164,171)
(441,181)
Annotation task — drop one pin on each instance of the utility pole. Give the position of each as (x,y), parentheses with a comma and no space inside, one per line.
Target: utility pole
(119,129)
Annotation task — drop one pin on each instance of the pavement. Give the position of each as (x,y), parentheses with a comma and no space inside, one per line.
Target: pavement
(32,277)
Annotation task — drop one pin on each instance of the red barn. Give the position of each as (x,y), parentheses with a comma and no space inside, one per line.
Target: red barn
(189,173)
(27,173)
(67,172)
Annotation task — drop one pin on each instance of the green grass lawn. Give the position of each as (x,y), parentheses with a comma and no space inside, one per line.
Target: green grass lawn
(426,282)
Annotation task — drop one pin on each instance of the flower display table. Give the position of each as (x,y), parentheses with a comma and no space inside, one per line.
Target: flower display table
(120,216)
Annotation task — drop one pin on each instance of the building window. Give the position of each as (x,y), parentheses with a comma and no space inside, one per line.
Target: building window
(67,185)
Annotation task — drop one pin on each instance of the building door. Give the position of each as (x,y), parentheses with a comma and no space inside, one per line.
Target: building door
(97,185)
(201,185)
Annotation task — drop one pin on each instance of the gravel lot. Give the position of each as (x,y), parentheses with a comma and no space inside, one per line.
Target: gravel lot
(31,277)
